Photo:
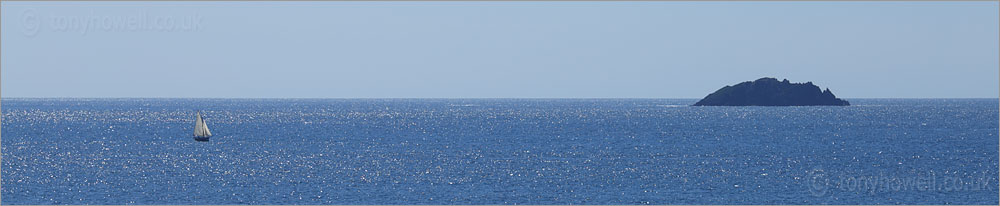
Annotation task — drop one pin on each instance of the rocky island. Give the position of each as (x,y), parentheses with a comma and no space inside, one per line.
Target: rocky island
(771,92)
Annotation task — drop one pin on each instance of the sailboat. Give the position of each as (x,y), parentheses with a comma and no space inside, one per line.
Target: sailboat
(201,132)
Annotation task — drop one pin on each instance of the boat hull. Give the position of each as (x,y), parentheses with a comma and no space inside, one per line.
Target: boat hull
(201,139)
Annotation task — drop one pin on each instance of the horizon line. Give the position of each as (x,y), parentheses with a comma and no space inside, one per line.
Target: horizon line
(695,98)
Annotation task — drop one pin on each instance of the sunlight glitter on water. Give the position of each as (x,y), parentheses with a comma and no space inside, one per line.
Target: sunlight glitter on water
(499,151)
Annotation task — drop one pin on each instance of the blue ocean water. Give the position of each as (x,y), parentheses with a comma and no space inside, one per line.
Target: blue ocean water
(497,151)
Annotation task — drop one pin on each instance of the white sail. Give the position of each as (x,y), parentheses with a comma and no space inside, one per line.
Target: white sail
(205,127)
(200,128)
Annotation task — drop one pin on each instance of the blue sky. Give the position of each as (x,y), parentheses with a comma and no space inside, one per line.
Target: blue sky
(495,49)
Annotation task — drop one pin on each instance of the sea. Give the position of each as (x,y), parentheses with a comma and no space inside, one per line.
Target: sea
(497,151)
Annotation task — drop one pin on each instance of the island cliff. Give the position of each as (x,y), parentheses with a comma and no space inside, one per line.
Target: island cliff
(771,92)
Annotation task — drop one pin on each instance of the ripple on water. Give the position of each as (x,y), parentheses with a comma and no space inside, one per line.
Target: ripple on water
(487,151)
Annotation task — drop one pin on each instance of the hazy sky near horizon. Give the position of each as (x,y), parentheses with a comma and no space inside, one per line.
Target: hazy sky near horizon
(495,49)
